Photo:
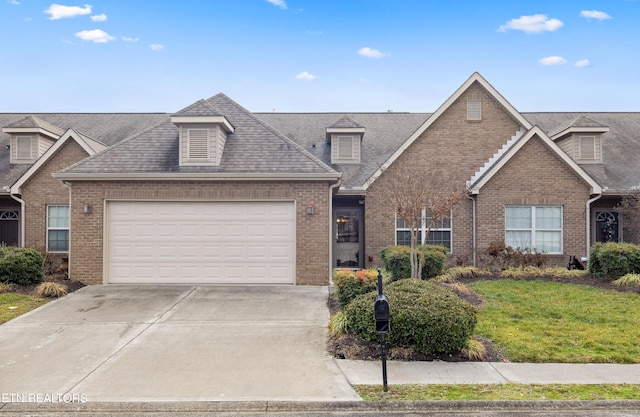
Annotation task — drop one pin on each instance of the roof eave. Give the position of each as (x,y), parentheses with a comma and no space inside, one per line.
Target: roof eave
(69,176)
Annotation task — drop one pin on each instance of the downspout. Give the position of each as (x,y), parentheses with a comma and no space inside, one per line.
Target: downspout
(22,219)
(588,218)
(331,188)
(473,228)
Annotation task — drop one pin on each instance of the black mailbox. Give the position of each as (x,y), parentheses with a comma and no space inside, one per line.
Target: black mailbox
(382,314)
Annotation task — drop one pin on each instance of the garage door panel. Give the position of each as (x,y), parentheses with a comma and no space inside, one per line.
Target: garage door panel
(201,242)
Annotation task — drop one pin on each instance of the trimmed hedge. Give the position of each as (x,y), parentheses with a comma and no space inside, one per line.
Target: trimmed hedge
(22,266)
(431,318)
(614,259)
(350,284)
(397,260)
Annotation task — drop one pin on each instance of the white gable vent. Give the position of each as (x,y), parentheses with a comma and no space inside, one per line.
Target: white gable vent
(198,144)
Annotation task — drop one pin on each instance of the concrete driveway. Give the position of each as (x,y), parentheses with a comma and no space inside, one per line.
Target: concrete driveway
(175,343)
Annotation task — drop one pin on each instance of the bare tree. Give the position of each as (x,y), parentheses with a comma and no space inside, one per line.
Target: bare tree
(411,197)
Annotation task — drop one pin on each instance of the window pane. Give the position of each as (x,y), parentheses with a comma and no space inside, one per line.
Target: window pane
(548,242)
(548,218)
(58,216)
(403,238)
(518,239)
(59,240)
(401,224)
(518,217)
(440,238)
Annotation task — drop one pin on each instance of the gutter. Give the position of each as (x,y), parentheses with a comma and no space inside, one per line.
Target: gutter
(227,176)
(331,188)
(68,185)
(474,250)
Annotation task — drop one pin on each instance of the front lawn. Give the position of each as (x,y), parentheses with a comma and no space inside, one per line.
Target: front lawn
(13,305)
(501,392)
(535,321)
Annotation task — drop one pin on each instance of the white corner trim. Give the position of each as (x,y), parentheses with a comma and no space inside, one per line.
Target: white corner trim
(444,107)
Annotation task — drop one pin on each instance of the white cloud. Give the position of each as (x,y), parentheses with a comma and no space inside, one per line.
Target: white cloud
(14,2)
(95,36)
(583,63)
(156,47)
(58,11)
(553,60)
(304,75)
(99,17)
(595,14)
(280,3)
(371,53)
(536,23)
(127,39)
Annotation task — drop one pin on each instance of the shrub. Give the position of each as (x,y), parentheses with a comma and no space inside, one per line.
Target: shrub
(614,259)
(50,289)
(349,283)
(22,266)
(397,260)
(430,318)
(500,256)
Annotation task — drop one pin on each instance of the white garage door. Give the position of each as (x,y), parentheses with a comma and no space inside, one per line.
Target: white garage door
(200,242)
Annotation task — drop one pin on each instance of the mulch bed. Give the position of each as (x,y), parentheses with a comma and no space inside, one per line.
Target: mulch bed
(352,347)
(60,278)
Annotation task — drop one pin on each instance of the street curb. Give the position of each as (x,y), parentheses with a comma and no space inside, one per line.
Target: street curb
(602,406)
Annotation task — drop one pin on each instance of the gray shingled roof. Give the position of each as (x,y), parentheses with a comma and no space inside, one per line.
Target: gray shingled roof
(385,132)
(199,108)
(34,122)
(106,128)
(620,169)
(253,147)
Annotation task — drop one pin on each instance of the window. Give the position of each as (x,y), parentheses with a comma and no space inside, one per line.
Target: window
(536,228)
(58,228)
(198,144)
(440,233)
(587,147)
(23,147)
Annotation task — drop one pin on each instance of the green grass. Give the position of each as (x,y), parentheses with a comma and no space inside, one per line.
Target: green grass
(494,392)
(13,305)
(534,321)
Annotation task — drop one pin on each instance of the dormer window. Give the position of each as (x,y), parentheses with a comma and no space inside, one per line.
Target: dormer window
(345,137)
(202,134)
(581,139)
(30,138)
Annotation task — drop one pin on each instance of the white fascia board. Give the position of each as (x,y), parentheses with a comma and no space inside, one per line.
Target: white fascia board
(586,129)
(44,132)
(67,176)
(535,131)
(221,120)
(346,130)
(444,107)
(70,133)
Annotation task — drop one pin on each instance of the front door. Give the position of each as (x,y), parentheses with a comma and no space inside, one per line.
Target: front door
(347,251)
(607,226)
(9,227)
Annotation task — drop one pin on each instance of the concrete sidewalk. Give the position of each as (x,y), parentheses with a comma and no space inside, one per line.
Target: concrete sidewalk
(368,372)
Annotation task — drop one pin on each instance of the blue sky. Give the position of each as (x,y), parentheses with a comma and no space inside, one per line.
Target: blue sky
(316,55)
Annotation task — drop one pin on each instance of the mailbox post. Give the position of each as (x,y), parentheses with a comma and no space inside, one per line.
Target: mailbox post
(382,316)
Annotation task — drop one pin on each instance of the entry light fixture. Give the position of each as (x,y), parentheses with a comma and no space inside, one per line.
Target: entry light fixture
(310,209)
(86,209)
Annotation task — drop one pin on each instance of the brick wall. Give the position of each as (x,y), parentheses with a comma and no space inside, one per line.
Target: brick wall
(451,148)
(42,190)
(312,233)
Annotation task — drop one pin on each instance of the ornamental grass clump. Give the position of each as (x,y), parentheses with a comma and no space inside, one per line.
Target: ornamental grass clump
(424,315)
(50,289)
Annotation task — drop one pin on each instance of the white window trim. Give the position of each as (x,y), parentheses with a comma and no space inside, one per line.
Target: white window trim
(50,228)
(533,229)
(423,229)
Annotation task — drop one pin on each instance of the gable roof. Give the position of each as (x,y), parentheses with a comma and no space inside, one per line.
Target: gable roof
(580,123)
(253,151)
(89,145)
(479,180)
(475,78)
(32,123)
